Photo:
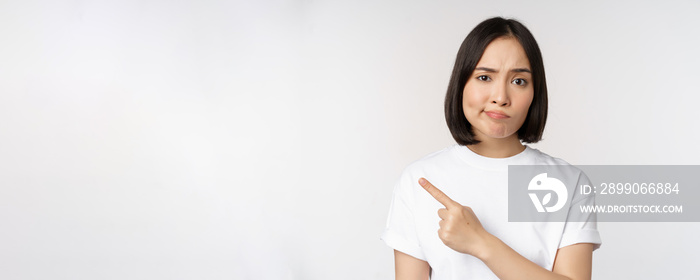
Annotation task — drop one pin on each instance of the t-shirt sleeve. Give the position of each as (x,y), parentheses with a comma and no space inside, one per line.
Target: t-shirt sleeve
(400,231)
(581,227)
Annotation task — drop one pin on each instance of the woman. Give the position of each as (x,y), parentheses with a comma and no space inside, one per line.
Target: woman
(497,97)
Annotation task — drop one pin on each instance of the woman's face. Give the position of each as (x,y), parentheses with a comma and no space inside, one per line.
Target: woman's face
(499,92)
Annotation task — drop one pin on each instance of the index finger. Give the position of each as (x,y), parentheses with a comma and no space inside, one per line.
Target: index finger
(437,193)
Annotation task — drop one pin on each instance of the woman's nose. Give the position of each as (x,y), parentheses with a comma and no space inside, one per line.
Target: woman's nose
(499,96)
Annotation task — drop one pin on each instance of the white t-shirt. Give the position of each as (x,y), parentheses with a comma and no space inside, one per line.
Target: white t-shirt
(482,184)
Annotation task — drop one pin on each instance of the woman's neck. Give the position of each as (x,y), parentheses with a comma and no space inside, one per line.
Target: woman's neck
(498,147)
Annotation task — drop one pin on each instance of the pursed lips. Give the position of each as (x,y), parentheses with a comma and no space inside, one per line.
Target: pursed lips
(496,114)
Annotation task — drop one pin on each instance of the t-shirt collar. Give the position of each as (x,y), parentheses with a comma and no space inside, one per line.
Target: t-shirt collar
(479,161)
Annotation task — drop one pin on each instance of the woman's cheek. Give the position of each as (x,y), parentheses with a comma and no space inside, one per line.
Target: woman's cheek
(471,105)
(471,113)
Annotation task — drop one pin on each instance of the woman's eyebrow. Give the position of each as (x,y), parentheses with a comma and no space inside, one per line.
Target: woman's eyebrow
(519,70)
(486,69)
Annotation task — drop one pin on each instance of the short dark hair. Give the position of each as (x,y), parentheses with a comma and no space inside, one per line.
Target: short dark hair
(469,55)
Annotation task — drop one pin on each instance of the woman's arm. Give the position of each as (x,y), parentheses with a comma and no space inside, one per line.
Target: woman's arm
(410,268)
(575,261)
(461,230)
(571,262)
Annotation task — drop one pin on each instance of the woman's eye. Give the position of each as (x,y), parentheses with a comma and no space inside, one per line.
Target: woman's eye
(483,78)
(520,82)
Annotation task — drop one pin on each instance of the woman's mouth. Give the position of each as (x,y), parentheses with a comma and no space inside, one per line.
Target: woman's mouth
(496,114)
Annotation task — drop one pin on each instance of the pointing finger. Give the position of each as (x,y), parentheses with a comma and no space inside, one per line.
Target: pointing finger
(437,193)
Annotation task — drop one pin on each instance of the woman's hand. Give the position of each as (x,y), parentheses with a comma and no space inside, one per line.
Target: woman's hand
(460,229)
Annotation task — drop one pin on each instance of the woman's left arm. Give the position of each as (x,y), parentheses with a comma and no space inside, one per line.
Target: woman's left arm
(461,230)
(571,262)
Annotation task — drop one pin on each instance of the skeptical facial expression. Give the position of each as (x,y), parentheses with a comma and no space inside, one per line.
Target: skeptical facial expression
(499,92)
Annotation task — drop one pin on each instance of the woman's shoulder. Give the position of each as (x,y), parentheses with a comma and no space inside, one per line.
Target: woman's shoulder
(557,164)
(436,162)
(541,158)
(431,159)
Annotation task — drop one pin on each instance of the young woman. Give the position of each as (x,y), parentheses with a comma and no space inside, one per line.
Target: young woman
(448,217)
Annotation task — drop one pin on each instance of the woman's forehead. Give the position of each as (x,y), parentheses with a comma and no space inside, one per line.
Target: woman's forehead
(504,52)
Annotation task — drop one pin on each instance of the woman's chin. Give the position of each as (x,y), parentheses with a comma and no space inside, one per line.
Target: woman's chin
(498,131)
(497,134)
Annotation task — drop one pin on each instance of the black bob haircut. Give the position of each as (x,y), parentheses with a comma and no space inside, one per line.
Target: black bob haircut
(469,55)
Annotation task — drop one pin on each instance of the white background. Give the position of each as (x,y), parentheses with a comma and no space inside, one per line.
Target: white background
(262,139)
